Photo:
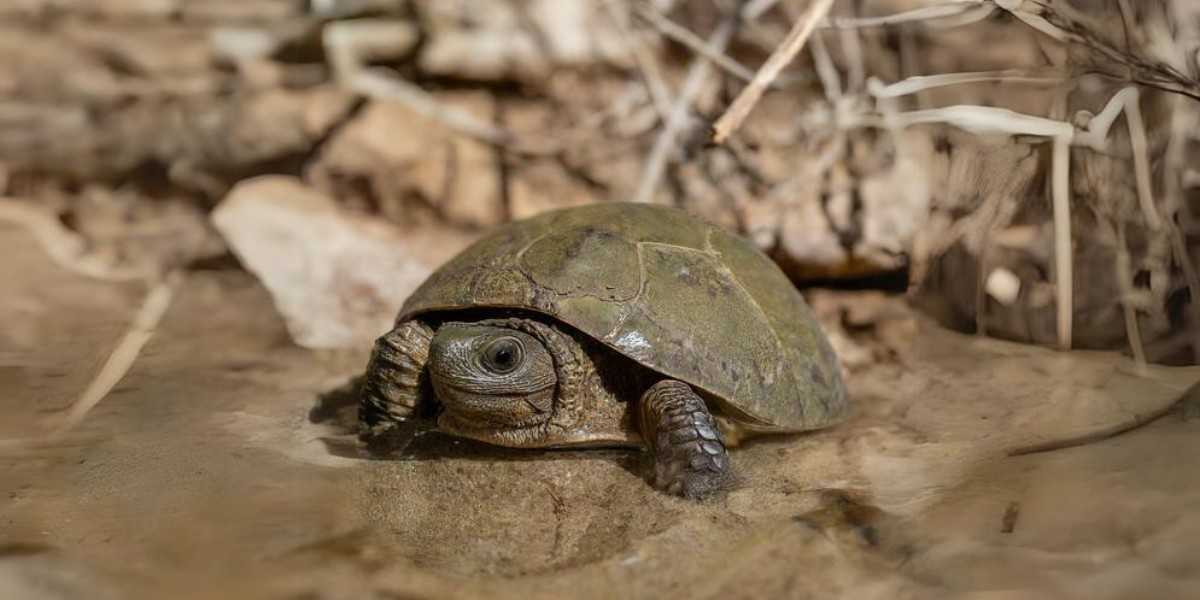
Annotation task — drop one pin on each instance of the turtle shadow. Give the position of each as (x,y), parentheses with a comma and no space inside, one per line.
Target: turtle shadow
(420,440)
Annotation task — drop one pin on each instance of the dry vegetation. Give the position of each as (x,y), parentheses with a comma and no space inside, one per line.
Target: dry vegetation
(175,174)
(1008,159)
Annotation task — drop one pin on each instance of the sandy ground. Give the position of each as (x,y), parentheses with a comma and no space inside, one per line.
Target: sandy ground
(202,475)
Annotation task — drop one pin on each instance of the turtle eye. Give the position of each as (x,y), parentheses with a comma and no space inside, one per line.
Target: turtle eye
(503,355)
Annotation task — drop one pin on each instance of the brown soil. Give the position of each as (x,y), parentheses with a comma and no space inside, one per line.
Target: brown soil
(202,475)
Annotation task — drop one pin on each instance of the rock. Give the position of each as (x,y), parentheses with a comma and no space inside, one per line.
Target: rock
(496,41)
(123,9)
(403,157)
(37,573)
(592,155)
(239,10)
(139,50)
(337,279)
(542,186)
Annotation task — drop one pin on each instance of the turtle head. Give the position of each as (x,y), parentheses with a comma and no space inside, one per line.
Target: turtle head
(495,383)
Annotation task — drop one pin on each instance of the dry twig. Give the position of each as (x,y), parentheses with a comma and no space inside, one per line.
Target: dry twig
(1124,274)
(955,13)
(745,101)
(1042,16)
(684,36)
(646,64)
(697,75)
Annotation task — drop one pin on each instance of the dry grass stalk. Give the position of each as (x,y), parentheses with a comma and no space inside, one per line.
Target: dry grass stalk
(646,64)
(831,82)
(1032,16)
(982,119)
(1042,15)
(684,36)
(677,120)
(1124,274)
(856,76)
(916,84)
(745,101)
(1063,273)
(1141,160)
(954,14)
(144,324)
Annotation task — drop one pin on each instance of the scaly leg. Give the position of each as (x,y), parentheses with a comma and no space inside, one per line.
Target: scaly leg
(394,388)
(689,454)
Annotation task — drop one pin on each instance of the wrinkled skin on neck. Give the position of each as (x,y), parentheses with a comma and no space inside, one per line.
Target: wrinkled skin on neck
(515,382)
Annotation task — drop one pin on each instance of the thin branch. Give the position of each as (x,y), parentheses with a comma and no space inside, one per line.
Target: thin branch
(745,101)
(753,9)
(693,42)
(1124,274)
(1038,14)
(1095,134)
(698,74)
(647,65)
(1141,161)
(831,79)
(856,74)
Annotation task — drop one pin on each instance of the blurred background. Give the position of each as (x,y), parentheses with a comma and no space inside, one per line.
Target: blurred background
(141,136)
(209,209)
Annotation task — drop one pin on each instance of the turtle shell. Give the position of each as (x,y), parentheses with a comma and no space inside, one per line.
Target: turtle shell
(674,293)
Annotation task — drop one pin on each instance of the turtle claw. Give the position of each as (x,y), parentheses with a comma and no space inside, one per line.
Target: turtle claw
(697,478)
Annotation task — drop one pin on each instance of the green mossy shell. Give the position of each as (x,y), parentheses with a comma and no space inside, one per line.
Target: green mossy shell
(672,292)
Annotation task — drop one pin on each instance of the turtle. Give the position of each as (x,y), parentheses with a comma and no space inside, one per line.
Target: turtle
(608,324)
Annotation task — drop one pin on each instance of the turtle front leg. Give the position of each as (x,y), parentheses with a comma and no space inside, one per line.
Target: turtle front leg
(395,386)
(689,454)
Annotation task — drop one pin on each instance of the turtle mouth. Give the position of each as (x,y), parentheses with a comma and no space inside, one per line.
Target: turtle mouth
(469,410)
(494,413)
(464,421)
(485,430)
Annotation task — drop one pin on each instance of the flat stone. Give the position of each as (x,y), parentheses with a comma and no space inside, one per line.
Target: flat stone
(407,157)
(337,279)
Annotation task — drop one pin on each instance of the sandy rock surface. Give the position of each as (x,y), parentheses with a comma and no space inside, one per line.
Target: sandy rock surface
(204,475)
